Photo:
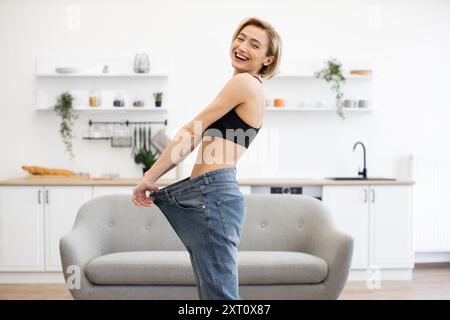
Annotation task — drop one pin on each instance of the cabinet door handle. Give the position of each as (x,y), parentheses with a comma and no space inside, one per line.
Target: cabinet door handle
(39,196)
(373,195)
(365,195)
(46,196)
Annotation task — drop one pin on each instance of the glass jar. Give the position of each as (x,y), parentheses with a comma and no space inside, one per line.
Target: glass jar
(94,98)
(119,101)
(138,101)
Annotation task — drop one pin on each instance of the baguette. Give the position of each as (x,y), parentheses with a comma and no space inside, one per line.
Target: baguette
(36,170)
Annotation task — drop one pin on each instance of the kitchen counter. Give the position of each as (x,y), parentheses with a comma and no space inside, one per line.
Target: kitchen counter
(164,182)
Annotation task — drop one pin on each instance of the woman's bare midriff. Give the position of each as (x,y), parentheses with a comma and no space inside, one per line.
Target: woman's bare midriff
(216,153)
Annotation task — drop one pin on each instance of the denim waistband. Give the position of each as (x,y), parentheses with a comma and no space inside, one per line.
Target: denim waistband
(224,174)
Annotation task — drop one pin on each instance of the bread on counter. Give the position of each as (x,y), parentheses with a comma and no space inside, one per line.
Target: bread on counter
(36,170)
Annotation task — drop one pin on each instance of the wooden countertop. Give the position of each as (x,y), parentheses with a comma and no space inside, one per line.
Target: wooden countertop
(164,182)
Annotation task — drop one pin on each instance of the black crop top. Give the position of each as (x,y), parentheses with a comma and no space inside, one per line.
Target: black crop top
(231,127)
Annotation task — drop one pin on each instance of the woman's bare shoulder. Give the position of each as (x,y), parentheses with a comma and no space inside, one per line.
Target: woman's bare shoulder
(249,82)
(247,77)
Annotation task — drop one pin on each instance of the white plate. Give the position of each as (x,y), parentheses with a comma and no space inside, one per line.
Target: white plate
(67,70)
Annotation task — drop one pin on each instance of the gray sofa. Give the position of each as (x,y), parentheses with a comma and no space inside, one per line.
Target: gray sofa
(290,249)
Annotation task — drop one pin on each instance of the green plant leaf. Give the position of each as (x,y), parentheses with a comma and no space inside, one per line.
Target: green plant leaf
(158,96)
(64,109)
(146,157)
(333,73)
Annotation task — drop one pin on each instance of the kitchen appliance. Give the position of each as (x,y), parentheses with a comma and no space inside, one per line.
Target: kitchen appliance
(286,190)
(312,191)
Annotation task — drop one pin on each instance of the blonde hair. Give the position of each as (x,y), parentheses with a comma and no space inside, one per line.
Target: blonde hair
(274,47)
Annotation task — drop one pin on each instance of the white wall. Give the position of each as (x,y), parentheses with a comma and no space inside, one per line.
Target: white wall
(406,43)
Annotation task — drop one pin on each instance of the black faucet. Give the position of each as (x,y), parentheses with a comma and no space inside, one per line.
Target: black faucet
(364,172)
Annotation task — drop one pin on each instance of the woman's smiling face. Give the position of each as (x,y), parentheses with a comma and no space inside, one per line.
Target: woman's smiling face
(248,50)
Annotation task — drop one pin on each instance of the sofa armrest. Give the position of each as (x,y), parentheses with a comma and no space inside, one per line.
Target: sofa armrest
(77,249)
(336,248)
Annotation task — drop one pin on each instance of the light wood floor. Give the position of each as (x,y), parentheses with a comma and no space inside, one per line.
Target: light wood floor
(429,282)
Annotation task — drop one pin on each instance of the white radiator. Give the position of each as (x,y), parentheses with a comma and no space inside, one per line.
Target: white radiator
(431,203)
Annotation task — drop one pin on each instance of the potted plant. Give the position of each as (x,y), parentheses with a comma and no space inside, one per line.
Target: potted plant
(146,157)
(64,109)
(333,73)
(158,98)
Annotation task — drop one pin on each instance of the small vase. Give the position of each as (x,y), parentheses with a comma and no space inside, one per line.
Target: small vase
(141,63)
(158,103)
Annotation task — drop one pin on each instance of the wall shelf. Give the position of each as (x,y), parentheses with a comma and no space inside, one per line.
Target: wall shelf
(285,109)
(303,92)
(112,109)
(311,76)
(103,75)
(121,80)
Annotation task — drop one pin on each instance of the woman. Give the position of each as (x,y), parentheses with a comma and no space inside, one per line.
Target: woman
(207,210)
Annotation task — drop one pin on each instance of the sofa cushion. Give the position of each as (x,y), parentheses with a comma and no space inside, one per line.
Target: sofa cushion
(174,268)
(280,267)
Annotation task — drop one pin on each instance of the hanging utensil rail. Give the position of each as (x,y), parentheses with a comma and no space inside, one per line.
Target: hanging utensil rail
(127,123)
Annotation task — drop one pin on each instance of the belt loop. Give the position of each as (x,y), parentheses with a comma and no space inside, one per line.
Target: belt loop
(205,178)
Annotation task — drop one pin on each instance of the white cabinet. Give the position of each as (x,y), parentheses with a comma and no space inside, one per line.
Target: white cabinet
(61,205)
(32,221)
(21,228)
(379,218)
(245,189)
(391,220)
(349,208)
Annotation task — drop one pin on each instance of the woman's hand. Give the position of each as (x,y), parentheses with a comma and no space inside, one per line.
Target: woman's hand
(139,197)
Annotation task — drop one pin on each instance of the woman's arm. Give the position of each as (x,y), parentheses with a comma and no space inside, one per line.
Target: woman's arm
(184,142)
(238,89)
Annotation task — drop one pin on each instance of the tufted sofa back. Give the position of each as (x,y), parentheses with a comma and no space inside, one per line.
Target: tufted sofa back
(282,222)
(275,222)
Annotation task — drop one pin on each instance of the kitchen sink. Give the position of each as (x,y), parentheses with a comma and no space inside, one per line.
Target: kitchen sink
(362,175)
(359,178)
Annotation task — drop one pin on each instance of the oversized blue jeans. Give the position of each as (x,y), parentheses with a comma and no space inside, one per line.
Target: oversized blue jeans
(208,213)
